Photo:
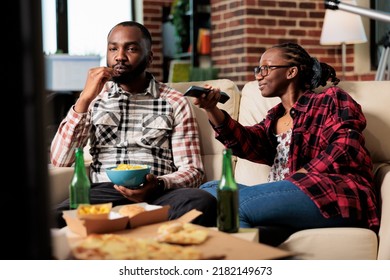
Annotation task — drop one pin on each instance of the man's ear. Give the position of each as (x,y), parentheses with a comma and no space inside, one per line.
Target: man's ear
(150,60)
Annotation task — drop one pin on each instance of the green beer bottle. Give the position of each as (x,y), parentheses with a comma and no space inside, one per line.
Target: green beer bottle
(80,185)
(227,197)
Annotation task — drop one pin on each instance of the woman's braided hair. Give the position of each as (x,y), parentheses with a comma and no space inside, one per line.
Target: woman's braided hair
(312,73)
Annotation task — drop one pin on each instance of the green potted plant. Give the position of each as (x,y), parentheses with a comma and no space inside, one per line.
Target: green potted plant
(180,19)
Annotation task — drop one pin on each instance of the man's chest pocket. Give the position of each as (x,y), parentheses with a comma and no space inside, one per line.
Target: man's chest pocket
(156,130)
(106,125)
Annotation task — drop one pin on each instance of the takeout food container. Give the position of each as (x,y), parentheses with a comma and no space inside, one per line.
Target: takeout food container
(153,214)
(115,221)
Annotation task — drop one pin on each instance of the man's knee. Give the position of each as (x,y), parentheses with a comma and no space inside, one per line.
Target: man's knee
(207,204)
(185,200)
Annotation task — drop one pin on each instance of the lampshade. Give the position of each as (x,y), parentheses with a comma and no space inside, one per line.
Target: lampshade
(342,27)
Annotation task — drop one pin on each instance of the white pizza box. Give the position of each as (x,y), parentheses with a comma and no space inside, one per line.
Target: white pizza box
(153,214)
(115,221)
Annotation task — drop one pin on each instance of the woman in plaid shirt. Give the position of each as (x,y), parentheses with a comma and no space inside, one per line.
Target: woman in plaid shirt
(321,172)
(129,117)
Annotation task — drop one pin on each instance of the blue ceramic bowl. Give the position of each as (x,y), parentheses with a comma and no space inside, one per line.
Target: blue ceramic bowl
(131,178)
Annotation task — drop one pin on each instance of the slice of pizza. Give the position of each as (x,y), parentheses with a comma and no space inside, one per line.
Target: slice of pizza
(181,233)
(118,247)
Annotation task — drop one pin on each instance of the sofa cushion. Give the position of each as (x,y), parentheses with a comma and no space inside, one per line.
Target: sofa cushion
(59,178)
(326,243)
(211,149)
(253,108)
(375,104)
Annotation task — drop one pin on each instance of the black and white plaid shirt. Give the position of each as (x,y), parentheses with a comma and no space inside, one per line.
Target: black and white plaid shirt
(156,127)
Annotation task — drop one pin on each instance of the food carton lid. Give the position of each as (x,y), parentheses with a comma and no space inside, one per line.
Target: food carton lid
(153,214)
(189,216)
(83,227)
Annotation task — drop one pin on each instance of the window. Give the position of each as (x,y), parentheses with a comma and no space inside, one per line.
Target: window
(49,32)
(379,31)
(88,23)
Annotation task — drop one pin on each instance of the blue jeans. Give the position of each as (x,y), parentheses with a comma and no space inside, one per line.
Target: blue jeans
(279,204)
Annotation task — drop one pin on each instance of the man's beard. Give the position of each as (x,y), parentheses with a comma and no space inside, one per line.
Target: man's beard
(132,74)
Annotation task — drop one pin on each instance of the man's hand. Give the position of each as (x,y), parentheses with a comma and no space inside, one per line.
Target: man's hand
(144,194)
(96,79)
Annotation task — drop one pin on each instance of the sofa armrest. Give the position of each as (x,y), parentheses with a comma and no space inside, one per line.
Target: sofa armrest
(59,179)
(382,177)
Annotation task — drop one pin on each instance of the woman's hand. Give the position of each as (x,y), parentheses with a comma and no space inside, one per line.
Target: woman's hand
(208,102)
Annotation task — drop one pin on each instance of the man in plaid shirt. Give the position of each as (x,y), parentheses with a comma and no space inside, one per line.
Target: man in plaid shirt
(129,117)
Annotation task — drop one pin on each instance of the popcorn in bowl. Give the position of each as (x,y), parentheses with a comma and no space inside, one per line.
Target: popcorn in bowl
(128,175)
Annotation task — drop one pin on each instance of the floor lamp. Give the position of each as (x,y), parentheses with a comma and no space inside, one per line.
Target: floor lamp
(342,28)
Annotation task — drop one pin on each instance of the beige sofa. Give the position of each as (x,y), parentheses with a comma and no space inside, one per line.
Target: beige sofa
(249,107)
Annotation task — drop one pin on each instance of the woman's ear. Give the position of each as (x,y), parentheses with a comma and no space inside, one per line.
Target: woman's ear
(292,72)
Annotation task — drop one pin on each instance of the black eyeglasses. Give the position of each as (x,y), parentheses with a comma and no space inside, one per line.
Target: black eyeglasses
(266,69)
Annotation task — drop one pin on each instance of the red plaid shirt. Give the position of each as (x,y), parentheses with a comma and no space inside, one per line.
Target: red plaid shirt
(327,141)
